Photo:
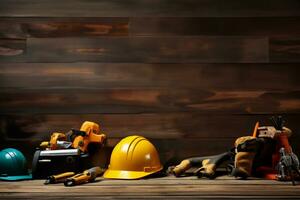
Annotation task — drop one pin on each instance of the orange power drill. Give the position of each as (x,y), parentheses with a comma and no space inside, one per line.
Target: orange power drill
(88,133)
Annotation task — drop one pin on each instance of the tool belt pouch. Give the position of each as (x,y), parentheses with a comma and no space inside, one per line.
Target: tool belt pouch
(246,148)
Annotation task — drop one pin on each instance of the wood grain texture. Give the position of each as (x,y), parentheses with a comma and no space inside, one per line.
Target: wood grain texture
(202,77)
(12,48)
(173,8)
(16,27)
(179,26)
(285,49)
(62,27)
(144,49)
(157,125)
(80,101)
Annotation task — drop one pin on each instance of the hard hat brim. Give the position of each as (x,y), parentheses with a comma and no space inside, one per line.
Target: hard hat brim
(121,174)
(16,178)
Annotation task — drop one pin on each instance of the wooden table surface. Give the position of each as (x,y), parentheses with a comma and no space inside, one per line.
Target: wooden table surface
(166,187)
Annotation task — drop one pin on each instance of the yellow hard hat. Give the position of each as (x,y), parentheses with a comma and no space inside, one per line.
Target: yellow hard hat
(132,158)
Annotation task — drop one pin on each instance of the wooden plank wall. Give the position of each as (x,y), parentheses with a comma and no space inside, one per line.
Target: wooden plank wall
(191,75)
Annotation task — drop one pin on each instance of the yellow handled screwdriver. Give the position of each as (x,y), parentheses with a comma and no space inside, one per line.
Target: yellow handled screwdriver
(87,176)
(59,178)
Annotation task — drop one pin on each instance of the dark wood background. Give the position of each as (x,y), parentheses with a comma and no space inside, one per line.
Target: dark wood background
(190,75)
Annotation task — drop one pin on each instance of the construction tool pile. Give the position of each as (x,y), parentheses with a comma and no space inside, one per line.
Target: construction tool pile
(266,153)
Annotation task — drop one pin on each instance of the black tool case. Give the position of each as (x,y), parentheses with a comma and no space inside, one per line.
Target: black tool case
(49,162)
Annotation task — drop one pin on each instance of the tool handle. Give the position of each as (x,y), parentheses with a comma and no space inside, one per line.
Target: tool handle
(87,176)
(64,175)
(77,179)
(59,178)
(95,171)
(182,167)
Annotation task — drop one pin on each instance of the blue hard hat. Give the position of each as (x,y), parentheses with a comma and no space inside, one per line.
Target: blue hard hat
(13,165)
